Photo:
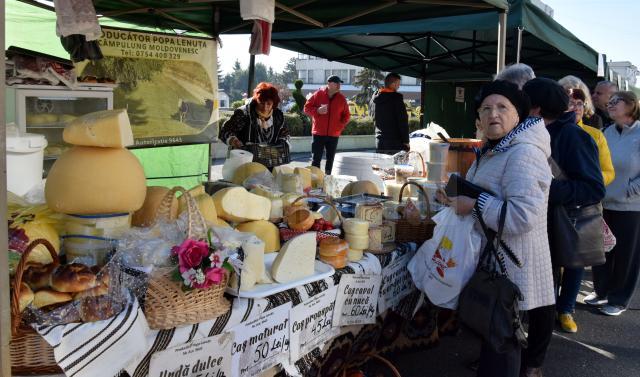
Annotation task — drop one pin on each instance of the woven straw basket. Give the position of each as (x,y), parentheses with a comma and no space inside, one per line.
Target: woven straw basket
(166,304)
(407,231)
(30,353)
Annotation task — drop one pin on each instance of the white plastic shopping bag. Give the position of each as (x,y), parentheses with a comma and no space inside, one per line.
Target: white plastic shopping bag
(445,263)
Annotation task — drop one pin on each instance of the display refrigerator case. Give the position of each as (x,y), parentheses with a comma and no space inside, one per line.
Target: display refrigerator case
(45,110)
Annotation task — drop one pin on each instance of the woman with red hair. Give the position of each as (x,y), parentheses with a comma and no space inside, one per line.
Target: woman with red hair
(259,122)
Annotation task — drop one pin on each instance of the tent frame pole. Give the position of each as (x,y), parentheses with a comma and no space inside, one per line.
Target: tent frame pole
(502,40)
(251,76)
(5,307)
(518,44)
(423,80)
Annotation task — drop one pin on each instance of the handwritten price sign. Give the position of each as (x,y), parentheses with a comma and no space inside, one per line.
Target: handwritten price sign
(357,300)
(208,357)
(261,343)
(312,323)
(396,283)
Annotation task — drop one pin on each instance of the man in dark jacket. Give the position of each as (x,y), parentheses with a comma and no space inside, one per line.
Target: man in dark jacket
(390,114)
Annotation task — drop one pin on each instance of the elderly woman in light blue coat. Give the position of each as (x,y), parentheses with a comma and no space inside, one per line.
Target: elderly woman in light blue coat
(513,165)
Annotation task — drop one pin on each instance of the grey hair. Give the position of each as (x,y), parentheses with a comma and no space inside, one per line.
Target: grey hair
(608,83)
(518,73)
(572,82)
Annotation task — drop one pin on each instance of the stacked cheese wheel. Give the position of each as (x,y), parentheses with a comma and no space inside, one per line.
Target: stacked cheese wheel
(357,235)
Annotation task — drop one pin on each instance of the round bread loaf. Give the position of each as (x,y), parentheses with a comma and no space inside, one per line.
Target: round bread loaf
(26,296)
(38,276)
(72,278)
(46,297)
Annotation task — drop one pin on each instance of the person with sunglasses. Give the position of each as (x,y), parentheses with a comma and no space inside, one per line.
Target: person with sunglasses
(615,281)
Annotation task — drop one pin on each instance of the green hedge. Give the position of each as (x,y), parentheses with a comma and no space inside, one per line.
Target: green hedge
(356,126)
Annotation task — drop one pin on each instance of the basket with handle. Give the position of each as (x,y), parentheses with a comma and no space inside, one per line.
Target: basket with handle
(409,231)
(287,234)
(166,304)
(423,173)
(269,155)
(30,353)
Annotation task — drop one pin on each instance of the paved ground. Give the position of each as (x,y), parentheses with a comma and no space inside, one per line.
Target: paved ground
(604,346)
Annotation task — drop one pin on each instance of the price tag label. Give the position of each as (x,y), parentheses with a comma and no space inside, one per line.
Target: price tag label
(262,342)
(207,357)
(396,283)
(312,323)
(357,300)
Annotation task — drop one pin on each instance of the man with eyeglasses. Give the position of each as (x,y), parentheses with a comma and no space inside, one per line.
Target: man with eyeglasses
(600,97)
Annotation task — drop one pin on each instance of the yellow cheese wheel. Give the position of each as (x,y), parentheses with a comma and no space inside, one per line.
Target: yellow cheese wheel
(92,180)
(194,192)
(355,255)
(357,242)
(264,230)
(245,171)
(317,176)
(221,223)
(356,227)
(207,208)
(106,128)
(146,215)
(305,174)
(360,187)
(237,205)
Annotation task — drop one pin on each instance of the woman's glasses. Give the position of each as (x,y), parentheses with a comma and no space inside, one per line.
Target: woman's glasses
(614,101)
(487,110)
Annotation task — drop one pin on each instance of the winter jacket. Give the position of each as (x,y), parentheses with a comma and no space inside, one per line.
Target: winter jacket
(623,194)
(516,170)
(333,122)
(244,125)
(604,155)
(576,154)
(392,124)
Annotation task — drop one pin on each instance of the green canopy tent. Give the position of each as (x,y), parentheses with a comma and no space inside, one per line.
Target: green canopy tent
(453,54)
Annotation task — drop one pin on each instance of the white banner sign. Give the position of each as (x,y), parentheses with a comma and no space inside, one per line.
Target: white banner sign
(311,323)
(207,357)
(357,300)
(262,342)
(396,283)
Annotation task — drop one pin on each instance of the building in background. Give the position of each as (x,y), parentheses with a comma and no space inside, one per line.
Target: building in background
(623,73)
(314,72)
(223,99)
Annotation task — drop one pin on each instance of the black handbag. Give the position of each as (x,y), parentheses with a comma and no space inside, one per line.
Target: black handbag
(488,304)
(576,236)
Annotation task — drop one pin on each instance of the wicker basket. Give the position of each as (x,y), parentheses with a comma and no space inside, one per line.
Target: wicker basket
(269,155)
(30,353)
(418,232)
(166,304)
(423,174)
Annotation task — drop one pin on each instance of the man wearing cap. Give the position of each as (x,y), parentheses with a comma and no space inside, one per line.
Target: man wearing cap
(329,111)
(390,114)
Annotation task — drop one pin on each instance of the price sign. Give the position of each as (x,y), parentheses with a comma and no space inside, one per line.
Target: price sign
(357,300)
(262,342)
(207,357)
(396,283)
(311,323)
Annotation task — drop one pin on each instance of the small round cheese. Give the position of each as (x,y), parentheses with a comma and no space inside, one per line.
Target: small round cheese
(245,171)
(357,242)
(93,180)
(356,227)
(355,255)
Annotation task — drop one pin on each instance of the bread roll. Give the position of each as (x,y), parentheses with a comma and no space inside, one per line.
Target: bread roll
(93,292)
(26,296)
(73,277)
(46,297)
(37,276)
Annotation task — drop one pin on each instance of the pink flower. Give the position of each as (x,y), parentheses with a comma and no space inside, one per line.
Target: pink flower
(215,275)
(190,254)
(216,259)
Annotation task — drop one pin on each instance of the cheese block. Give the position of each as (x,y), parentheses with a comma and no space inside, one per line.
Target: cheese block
(355,255)
(317,176)
(375,239)
(245,171)
(146,215)
(253,270)
(264,230)
(282,169)
(221,223)
(296,259)
(392,189)
(388,231)
(267,192)
(92,180)
(370,212)
(305,175)
(207,208)
(291,183)
(357,242)
(356,227)
(238,205)
(106,128)
(277,210)
(360,187)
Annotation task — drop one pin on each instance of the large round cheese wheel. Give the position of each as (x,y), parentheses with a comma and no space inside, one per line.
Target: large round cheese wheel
(245,171)
(264,230)
(360,187)
(92,180)
(317,176)
(146,215)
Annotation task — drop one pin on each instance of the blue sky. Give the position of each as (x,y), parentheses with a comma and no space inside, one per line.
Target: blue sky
(608,26)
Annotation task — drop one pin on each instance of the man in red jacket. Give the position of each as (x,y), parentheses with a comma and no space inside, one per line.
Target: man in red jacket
(330,113)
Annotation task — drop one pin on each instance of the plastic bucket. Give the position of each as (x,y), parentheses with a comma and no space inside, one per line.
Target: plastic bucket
(24,162)
(438,152)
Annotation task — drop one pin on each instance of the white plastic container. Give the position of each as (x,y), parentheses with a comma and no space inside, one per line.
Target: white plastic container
(436,172)
(438,152)
(360,164)
(24,162)
(235,158)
